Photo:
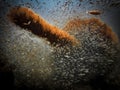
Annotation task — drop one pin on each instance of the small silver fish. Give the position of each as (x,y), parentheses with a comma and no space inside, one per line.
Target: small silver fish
(27,23)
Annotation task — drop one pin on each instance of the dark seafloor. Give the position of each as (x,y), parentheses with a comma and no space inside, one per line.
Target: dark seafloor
(31,63)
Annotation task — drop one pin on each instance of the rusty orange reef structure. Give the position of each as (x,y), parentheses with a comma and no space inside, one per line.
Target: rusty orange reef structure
(28,19)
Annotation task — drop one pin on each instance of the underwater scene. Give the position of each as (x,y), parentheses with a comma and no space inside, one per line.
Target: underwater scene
(60,44)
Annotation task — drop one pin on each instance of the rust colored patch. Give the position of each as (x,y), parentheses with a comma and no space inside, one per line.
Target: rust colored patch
(27,19)
(93,24)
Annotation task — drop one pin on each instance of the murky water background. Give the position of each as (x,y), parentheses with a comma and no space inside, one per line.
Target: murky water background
(31,57)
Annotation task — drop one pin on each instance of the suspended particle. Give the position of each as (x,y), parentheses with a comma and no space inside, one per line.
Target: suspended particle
(94,12)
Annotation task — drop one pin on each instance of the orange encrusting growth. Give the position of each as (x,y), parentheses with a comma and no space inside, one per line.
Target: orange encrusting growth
(93,24)
(28,19)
